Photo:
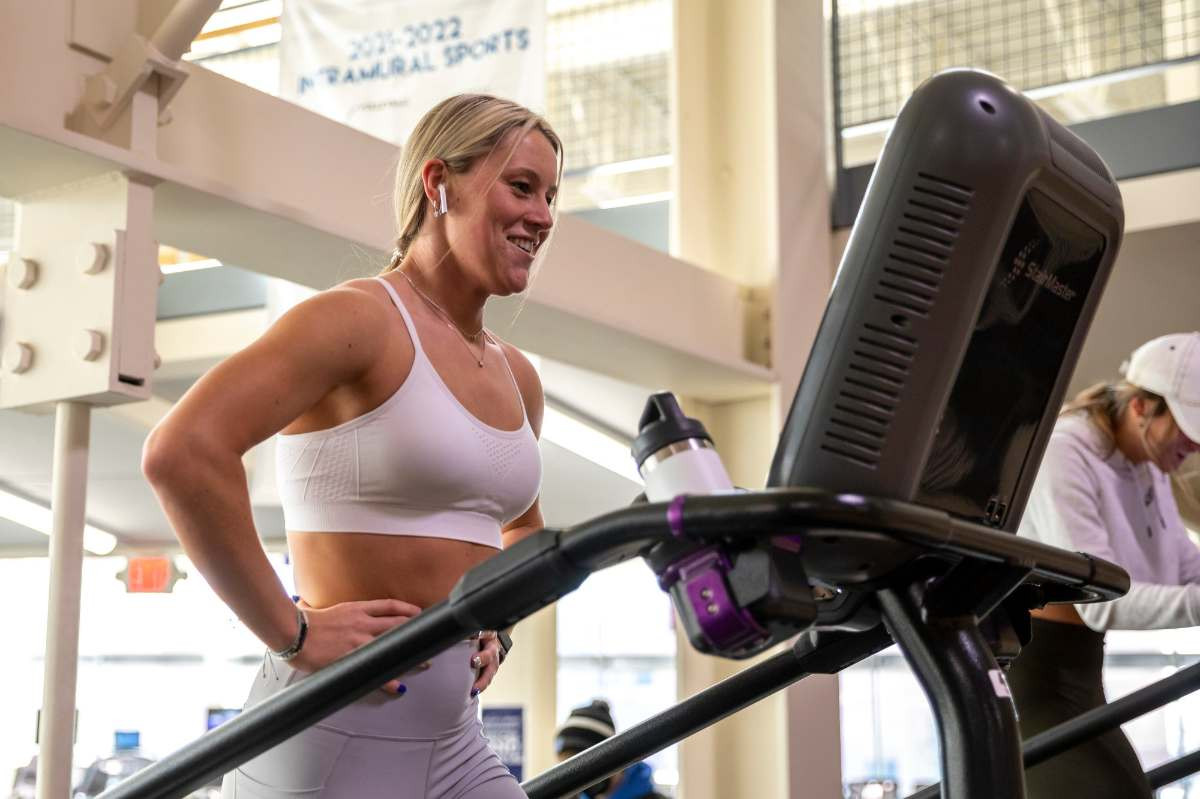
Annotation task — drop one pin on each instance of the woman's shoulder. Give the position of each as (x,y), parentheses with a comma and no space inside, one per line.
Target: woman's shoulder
(1078,432)
(1077,451)
(363,289)
(517,359)
(350,315)
(362,301)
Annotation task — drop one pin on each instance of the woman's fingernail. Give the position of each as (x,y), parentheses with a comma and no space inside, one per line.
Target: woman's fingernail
(474,692)
(295,598)
(401,689)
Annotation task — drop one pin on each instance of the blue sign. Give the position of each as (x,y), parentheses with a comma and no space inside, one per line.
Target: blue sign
(219,715)
(126,740)
(504,727)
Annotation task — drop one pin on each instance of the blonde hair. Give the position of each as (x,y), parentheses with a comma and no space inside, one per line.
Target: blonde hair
(1105,404)
(458,130)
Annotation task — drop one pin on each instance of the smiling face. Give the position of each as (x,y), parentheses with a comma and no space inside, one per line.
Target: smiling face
(500,212)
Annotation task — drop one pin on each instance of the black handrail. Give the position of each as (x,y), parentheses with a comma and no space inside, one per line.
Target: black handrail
(1174,770)
(813,653)
(1045,745)
(551,563)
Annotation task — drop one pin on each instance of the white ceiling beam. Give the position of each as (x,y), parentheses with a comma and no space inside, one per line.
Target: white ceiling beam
(264,184)
(189,346)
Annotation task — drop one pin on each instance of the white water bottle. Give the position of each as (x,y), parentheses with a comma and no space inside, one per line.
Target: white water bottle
(675,454)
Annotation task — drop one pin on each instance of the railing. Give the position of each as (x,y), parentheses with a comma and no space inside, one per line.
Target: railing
(828,654)
(1067,49)
(1089,725)
(552,563)
(814,653)
(944,573)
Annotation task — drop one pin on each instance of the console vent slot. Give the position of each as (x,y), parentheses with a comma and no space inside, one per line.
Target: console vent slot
(869,394)
(908,282)
(923,243)
(857,429)
(942,192)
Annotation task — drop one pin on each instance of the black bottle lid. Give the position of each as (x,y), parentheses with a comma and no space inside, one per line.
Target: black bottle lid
(663,423)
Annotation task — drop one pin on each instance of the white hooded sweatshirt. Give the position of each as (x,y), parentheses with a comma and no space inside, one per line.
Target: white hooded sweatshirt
(1088,497)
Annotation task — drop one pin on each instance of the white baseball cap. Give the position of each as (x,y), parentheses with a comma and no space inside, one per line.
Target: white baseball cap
(1170,366)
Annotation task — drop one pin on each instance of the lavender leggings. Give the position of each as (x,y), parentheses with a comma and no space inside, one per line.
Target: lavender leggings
(426,744)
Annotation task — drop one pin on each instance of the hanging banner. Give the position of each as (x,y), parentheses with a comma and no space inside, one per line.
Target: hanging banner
(378,65)
(504,727)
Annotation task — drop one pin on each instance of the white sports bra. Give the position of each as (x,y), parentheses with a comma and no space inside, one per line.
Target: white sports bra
(419,464)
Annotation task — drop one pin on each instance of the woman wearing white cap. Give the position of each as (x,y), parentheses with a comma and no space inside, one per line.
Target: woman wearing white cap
(1103,489)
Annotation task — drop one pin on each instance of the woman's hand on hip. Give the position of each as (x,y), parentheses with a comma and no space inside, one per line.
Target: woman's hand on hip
(486,661)
(338,630)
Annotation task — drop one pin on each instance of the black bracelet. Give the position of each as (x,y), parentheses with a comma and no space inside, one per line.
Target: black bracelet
(301,634)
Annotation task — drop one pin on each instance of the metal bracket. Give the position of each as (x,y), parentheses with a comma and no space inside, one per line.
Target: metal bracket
(79,311)
(107,94)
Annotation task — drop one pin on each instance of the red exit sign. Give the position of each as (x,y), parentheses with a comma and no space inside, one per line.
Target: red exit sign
(150,575)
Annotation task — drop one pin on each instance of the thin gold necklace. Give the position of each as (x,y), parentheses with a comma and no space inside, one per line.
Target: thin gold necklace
(467,338)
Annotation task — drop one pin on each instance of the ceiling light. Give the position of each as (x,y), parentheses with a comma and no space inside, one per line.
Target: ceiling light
(590,443)
(636,199)
(38,517)
(190,266)
(623,167)
(583,439)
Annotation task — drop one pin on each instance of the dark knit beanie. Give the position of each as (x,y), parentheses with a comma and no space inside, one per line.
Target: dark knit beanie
(585,727)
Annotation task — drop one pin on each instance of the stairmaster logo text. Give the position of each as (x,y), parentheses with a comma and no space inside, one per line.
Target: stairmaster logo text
(1026,265)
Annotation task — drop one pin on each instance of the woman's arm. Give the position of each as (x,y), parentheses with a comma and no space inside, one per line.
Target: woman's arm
(1064,510)
(1151,606)
(1146,606)
(193,459)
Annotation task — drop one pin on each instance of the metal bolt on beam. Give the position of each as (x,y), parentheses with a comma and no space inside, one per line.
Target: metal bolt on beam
(91,258)
(22,273)
(18,358)
(88,344)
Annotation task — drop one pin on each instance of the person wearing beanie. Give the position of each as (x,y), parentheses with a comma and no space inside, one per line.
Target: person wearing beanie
(587,726)
(1104,489)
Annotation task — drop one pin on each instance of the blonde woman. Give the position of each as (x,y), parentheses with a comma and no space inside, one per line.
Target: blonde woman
(1103,489)
(406,454)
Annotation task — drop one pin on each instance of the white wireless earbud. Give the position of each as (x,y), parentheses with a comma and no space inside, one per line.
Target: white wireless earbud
(441,207)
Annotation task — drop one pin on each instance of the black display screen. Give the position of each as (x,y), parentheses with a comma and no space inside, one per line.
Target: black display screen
(1012,362)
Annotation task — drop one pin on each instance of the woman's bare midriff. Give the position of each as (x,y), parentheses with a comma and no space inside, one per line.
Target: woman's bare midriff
(344,567)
